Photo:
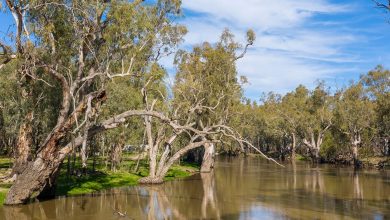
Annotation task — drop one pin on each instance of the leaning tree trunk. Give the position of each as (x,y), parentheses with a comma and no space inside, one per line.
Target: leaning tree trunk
(37,175)
(208,158)
(23,146)
(40,174)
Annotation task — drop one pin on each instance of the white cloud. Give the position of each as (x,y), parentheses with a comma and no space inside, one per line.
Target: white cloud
(292,47)
(262,14)
(269,71)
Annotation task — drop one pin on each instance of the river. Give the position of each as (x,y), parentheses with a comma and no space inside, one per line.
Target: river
(239,188)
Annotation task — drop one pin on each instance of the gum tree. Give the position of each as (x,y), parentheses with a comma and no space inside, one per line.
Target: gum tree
(354,114)
(318,118)
(208,76)
(76,47)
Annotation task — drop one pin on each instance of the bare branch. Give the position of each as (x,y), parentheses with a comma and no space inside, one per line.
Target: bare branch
(382,5)
(5,54)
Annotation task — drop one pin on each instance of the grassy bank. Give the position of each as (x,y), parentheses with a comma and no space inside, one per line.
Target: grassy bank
(104,179)
(101,178)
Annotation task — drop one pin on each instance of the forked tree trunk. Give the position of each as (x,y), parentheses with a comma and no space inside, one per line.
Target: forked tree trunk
(23,146)
(314,145)
(166,163)
(208,158)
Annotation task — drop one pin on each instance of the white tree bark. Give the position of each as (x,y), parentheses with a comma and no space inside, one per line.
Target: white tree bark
(208,158)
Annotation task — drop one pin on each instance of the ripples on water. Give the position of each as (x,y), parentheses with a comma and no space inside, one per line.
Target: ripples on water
(239,188)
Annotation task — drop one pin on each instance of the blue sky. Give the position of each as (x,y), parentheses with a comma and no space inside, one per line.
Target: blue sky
(298,41)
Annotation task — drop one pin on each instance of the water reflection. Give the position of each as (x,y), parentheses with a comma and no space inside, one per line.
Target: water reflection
(240,188)
(209,195)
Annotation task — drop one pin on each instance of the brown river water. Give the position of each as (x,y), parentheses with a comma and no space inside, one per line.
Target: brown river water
(239,188)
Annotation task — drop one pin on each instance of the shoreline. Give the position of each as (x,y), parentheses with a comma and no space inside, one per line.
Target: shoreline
(366,163)
(101,179)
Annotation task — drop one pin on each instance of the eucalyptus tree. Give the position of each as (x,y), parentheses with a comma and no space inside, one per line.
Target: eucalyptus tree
(354,114)
(274,130)
(208,76)
(249,121)
(317,119)
(291,110)
(75,48)
(377,83)
(9,114)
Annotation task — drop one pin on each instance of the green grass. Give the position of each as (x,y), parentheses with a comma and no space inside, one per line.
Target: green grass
(181,171)
(5,166)
(94,182)
(103,179)
(2,197)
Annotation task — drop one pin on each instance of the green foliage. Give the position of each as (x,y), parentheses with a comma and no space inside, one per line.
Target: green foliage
(377,83)
(207,77)
(329,148)
(356,114)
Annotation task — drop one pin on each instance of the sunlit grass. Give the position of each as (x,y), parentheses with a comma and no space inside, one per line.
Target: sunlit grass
(102,178)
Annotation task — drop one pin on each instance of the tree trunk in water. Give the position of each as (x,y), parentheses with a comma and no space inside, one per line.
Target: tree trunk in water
(156,179)
(317,155)
(208,158)
(23,146)
(40,173)
(314,146)
(29,184)
(294,141)
(165,163)
(355,154)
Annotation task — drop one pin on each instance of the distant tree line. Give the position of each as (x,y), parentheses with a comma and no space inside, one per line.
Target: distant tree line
(325,124)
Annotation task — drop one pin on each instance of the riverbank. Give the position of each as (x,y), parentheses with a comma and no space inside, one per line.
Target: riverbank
(99,179)
(367,162)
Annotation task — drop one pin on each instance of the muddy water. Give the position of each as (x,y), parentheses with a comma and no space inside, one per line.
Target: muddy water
(239,188)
